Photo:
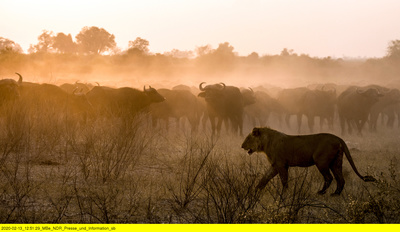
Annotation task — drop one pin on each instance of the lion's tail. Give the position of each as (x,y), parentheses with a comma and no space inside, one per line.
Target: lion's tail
(350,159)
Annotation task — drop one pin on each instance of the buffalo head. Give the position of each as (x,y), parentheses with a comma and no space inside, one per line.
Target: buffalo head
(153,95)
(248,96)
(211,91)
(8,90)
(219,86)
(373,94)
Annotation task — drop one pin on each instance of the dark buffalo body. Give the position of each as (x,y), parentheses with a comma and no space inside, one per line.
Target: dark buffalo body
(179,103)
(311,103)
(76,87)
(9,90)
(51,98)
(224,103)
(248,97)
(319,103)
(121,102)
(290,100)
(354,106)
(386,105)
(264,105)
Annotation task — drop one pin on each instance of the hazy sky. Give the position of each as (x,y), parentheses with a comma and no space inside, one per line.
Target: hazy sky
(337,28)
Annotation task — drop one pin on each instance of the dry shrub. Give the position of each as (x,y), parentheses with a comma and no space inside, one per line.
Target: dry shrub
(106,188)
(230,195)
(18,186)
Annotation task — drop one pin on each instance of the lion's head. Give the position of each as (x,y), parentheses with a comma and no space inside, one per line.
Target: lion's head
(253,142)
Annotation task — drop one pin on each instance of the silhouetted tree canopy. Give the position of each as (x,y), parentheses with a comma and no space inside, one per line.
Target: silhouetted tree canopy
(220,59)
(45,43)
(225,49)
(7,45)
(63,43)
(94,40)
(253,55)
(287,52)
(203,50)
(139,46)
(393,50)
(176,53)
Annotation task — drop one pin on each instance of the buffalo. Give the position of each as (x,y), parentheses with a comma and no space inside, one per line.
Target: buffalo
(76,87)
(391,112)
(9,90)
(122,102)
(25,86)
(224,103)
(259,112)
(291,102)
(311,103)
(386,104)
(178,104)
(53,100)
(248,96)
(319,103)
(354,106)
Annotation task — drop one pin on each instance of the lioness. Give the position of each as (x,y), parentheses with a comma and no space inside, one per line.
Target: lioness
(284,151)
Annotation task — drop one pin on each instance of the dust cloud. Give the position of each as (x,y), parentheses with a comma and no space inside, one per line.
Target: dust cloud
(159,70)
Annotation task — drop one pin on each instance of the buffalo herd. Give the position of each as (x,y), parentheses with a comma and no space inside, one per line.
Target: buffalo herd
(216,105)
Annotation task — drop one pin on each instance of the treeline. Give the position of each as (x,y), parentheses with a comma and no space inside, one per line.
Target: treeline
(94,56)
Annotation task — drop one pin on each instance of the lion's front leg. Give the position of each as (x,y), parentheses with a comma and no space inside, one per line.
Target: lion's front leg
(284,175)
(271,173)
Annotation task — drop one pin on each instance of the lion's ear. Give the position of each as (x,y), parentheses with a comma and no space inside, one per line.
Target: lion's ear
(256,131)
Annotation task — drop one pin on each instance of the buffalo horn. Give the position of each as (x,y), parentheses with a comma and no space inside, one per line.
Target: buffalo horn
(201,86)
(144,88)
(20,78)
(223,85)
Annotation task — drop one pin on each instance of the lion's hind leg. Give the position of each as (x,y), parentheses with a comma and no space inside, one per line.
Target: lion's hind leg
(324,170)
(336,168)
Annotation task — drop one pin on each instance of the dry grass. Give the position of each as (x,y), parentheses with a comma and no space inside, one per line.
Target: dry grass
(54,169)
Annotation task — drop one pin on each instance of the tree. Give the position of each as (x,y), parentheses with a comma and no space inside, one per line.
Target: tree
(203,50)
(94,40)
(139,46)
(220,59)
(45,43)
(7,45)
(225,50)
(393,50)
(63,43)
(287,52)
(253,55)
(252,58)
(223,54)
(179,54)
